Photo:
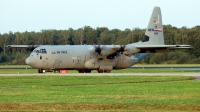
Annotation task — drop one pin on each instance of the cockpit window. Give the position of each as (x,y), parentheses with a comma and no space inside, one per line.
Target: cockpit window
(36,51)
(42,51)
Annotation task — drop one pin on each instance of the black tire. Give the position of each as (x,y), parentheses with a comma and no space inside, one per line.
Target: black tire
(88,71)
(40,71)
(81,71)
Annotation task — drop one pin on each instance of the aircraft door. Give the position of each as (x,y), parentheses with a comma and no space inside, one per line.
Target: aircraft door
(43,60)
(77,62)
(40,57)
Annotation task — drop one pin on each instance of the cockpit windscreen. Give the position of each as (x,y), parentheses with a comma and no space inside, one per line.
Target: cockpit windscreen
(42,51)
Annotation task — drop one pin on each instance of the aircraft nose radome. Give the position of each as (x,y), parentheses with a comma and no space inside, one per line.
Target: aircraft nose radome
(30,61)
(27,61)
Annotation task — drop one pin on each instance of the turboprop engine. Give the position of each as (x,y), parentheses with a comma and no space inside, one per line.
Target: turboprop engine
(105,50)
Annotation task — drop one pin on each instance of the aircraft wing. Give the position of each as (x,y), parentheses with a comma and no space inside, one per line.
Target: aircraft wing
(141,48)
(160,48)
(30,47)
(23,46)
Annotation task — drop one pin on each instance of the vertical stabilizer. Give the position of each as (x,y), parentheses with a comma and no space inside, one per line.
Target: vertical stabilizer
(154,32)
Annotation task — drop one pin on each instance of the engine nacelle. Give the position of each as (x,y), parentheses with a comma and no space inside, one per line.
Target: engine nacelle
(107,50)
(104,50)
(130,49)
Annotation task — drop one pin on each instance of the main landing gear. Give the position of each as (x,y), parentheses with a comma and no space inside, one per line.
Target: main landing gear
(84,71)
(107,71)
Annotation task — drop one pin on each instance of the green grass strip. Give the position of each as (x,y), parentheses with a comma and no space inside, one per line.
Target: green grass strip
(161,93)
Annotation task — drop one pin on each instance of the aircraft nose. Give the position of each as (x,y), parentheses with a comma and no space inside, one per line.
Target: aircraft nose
(30,61)
(27,61)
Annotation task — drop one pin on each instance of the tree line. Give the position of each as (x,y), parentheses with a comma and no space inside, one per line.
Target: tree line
(88,35)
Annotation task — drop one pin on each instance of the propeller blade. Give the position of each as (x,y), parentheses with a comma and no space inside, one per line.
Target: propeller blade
(98,49)
(122,49)
(32,47)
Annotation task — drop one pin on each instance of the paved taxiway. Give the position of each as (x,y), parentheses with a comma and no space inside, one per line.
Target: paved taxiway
(196,75)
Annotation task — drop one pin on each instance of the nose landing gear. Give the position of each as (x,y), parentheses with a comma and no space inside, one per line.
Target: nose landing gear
(41,71)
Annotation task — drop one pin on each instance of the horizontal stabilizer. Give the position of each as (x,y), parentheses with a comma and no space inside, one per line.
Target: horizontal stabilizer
(160,48)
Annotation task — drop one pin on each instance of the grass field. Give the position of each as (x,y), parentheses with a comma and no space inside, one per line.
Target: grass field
(98,93)
(166,65)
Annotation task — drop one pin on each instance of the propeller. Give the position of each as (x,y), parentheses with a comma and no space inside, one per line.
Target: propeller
(98,49)
(122,49)
(32,47)
(1,49)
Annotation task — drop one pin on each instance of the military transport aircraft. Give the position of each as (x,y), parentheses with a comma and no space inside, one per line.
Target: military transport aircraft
(102,58)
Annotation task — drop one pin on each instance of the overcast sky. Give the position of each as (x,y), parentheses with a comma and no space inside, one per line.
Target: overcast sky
(35,15)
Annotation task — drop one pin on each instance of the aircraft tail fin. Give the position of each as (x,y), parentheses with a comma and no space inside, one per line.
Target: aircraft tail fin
(154,32)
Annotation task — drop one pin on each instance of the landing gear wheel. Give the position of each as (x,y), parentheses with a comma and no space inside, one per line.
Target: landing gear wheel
(81,71)
(84,71)
(87,71)
(41,71)
(99,71)
(107,71)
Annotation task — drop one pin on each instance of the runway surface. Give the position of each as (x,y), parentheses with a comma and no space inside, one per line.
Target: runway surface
(104,74)
(196,75)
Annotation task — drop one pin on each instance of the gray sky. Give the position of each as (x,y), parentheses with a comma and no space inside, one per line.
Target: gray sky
(35,15)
